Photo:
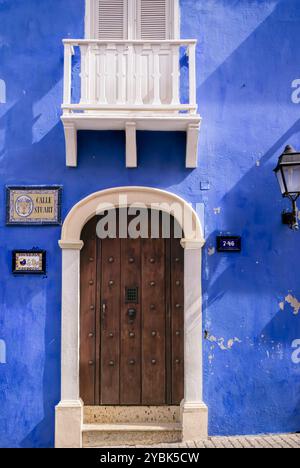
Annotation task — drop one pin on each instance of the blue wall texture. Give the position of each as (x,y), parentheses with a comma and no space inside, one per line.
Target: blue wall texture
(247,64)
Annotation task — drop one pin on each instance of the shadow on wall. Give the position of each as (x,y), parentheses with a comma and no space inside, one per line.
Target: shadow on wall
(32,152)
(32,68)
(237,103)
(246,105)
(253,208)
(104,152)
(43,433)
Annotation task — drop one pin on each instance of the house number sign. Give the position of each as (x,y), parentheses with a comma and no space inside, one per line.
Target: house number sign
(229,244)
(34,205)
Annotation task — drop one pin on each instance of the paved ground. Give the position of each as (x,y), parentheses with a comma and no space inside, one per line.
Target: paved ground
(272,441)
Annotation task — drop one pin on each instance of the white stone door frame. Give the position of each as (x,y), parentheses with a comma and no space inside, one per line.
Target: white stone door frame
(69,412)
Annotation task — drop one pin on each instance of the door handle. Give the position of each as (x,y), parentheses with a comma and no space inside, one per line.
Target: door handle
(131,314)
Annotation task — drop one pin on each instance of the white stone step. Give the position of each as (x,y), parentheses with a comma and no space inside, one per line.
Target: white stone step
(109,435)
(131,414)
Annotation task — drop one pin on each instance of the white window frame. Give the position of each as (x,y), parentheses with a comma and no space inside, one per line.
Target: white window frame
(91,15)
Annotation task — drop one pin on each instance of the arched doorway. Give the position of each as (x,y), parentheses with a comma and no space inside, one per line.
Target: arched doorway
(69,412)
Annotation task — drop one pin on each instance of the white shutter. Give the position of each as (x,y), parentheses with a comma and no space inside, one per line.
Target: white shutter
(111,19)
(153,18)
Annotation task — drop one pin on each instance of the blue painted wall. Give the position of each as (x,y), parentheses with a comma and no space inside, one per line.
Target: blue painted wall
(247,60)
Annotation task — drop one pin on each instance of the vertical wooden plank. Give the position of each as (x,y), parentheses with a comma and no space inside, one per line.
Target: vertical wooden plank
(87,315)
(168,323)
(154,322)
(130,372)
(177,314)
(98,318)
(110,322)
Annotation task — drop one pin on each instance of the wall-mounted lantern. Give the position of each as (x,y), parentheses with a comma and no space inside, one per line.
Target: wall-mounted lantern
(288,175)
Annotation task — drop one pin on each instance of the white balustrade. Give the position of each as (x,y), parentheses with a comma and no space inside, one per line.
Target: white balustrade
(129,76)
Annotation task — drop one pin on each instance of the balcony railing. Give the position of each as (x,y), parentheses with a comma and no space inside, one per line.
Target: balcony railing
(128,76)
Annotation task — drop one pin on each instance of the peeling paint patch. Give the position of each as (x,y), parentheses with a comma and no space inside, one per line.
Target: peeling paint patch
(217,211)
(211,251)
(223,345)
(294,303)
(231,342)
(2,92)
(281,305)
(2,352)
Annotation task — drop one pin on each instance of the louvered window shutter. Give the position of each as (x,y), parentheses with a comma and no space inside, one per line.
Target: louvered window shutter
(153,17)
(111,19)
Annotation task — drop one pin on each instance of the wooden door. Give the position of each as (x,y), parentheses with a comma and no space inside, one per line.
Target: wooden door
(132,318)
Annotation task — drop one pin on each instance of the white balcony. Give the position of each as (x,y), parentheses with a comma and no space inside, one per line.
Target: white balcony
(130,86)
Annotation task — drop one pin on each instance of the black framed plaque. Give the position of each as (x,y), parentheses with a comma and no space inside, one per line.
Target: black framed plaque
(29,262)
(229,244)
(34,205)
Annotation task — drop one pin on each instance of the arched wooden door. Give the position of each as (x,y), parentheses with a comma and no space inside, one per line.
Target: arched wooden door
(132,319)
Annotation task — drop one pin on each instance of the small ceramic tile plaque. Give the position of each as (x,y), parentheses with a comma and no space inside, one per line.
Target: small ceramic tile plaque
(34,205)
(29,262)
